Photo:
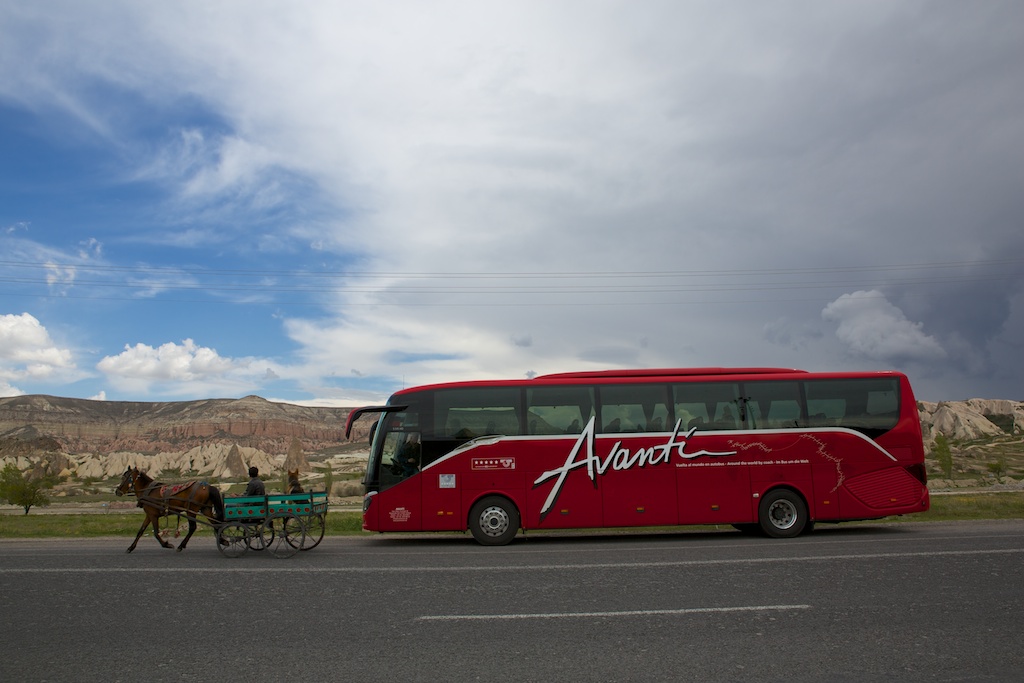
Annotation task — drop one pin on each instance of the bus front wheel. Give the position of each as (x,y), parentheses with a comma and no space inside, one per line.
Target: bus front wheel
(782,514)
(494,521)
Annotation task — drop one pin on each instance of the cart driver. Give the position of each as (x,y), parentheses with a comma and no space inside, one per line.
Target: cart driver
(255,487)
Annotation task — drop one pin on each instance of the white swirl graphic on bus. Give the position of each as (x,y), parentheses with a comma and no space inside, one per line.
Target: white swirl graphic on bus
(618,458)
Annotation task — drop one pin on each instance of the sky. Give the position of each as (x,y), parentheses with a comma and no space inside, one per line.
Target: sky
(322,203)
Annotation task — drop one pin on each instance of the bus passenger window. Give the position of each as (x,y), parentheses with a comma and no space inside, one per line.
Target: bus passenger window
(469,413)
(774,405)
(558,410)
(869,405)
(702,405)
(633,408)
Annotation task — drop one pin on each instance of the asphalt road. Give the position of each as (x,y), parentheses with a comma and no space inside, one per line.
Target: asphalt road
(907,602)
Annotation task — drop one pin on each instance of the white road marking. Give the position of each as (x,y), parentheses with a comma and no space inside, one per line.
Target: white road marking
(627,613)
(227,569)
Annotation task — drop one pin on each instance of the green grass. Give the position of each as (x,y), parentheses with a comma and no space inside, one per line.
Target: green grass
(971,506)
(91,525)
(966,506)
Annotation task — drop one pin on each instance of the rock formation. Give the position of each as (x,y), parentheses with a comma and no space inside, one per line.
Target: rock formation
(968,420)
(215,437)
(296,458)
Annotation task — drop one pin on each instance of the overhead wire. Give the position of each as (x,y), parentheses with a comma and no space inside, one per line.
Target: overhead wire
(152,281)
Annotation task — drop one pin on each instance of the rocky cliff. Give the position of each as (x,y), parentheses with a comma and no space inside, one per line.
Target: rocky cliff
(99,439)
(969,420)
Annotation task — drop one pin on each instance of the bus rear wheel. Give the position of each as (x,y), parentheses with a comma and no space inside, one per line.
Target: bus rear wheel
(782,514)
(494,521)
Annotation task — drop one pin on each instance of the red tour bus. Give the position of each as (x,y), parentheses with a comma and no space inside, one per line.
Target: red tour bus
(762,449)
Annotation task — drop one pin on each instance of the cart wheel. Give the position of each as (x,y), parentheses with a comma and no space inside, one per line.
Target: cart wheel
(261,537)
(314,532)
(232,540)
(288,538)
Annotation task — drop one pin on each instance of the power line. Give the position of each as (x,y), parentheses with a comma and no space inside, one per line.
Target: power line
(604,274)
(154,281)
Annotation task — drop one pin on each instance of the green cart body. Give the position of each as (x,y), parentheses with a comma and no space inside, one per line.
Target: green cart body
(282,522)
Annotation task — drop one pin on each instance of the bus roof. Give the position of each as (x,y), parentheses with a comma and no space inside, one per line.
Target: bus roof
(606,375)
(667,372)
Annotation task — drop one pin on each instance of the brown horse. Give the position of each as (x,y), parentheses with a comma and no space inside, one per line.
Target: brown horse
(161,500)
(293,482)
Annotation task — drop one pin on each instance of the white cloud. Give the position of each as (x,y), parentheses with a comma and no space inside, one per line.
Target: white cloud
(178,368)
(872,327)
(7,390)
(28,352)
(184,362)
(411,348)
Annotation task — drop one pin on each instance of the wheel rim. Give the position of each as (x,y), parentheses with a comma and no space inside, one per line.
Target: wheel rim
(314,531)
(782,514)
(494,521)
(232,540)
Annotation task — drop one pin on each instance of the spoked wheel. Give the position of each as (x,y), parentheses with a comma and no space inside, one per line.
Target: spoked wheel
(261,538)
(287,538)
(232,540)
(314,532)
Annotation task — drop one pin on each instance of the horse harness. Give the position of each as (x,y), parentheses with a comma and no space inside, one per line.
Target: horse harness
(163,494)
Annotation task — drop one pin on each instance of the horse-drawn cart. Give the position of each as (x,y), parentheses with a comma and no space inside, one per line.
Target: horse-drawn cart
(281,523)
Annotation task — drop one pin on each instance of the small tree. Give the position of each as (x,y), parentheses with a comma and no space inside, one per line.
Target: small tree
(998,469)
(24,491)
(944,456)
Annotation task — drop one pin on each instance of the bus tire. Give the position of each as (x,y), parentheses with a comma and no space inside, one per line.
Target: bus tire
(494,520)
(782,514)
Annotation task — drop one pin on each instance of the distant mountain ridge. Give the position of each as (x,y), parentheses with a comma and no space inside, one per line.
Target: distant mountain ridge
(100,438)
(101,427)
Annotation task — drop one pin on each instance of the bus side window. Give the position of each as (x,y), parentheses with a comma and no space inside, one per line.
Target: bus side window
(633,408)
(469,413)
(701,405)
(868,405)
(775,405)
(558,410)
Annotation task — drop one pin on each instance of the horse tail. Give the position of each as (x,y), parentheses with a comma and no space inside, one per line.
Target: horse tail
(218,503)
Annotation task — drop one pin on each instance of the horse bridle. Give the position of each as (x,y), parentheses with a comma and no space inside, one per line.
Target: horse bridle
(127,485)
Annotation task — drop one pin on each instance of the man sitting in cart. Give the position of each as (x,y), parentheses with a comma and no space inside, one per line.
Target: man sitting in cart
(255,487)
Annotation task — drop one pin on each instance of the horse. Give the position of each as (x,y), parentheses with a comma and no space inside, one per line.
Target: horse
(293,482)
(161,500)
